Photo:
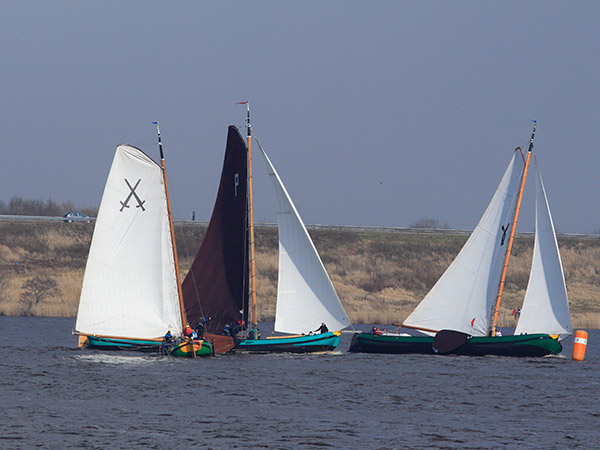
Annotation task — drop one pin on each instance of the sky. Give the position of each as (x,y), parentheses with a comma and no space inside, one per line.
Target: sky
(374,113)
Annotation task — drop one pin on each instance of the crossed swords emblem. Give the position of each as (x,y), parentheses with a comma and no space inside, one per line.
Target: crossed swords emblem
(132,194)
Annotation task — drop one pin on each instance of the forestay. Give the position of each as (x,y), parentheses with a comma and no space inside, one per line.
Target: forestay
(129,287)
(546,306)
(305,294)
(462,298)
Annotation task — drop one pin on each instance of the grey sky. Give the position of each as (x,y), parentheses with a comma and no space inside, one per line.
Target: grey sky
(374,113)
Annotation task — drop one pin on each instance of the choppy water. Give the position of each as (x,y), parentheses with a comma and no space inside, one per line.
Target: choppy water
(55,396)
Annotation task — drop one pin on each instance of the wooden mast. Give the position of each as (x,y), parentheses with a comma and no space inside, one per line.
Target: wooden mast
(251,216)
(179,291)
(512,232)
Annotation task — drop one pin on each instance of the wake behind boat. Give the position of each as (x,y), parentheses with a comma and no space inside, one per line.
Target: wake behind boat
(130,296)
(459,315)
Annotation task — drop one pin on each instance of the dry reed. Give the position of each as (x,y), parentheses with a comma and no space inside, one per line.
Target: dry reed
(380,277)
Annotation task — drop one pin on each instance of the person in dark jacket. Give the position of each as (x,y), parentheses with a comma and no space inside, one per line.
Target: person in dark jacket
(323,328)
(201,328)
(235,328)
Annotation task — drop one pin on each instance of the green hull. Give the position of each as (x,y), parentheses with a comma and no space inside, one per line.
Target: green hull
(184,349)
(138,345)
(142,345)
(292,344)
(520,345)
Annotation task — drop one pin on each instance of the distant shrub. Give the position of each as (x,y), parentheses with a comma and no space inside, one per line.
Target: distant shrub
(432,224)
(266,237)
(36,290)
(270,273)
(377,283)
(18,206)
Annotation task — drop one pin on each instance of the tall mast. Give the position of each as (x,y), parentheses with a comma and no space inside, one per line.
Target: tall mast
(512,231)
(179,291)
(251,215)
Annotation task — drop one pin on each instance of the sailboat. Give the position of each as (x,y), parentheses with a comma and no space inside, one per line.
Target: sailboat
(219,290)
(215,289)
(459,315)
(130,296)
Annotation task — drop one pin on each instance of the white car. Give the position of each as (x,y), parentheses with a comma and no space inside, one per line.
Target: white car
(76,216)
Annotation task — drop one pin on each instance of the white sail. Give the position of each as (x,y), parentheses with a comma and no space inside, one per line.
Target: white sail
(546,306)
(305,295)
(129,287)
(462,298)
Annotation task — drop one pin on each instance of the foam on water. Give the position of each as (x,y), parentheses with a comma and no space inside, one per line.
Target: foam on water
(112,358)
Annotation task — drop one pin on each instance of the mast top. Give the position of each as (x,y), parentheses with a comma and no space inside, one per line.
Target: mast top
(248,129)
(162,156)
(532,136)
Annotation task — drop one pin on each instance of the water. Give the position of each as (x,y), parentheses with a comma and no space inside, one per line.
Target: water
(55,396)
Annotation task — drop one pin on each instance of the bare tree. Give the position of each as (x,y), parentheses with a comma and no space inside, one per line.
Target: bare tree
(36,207)
(427,222)
(36,290)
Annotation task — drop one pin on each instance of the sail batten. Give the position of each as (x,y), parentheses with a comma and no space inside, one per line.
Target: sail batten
(305,295)
(545,307)
(130,286)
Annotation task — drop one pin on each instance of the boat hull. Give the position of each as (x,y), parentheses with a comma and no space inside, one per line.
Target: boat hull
(185,349)
(136,345)
(292,344)
(520,345)
(221,344)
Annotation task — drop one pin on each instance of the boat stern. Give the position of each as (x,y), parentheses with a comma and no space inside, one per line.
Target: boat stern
(83,341)
(192,349)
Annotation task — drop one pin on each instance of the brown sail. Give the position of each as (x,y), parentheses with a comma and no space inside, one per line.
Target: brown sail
(216,286)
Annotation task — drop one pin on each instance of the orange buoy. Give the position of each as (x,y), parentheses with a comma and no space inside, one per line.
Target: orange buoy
(580,345)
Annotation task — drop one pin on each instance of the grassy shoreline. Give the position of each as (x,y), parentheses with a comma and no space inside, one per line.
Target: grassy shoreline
(380,277)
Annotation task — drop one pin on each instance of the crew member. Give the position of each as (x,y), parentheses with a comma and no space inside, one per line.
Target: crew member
(323,328)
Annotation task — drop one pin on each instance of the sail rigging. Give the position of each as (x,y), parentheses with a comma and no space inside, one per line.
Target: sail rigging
(220,283)
(305,295)
(171,229)
(494,321)
(462,298)
(130,284)
(546,307)
(216,285)
(458,308)
(251,219)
